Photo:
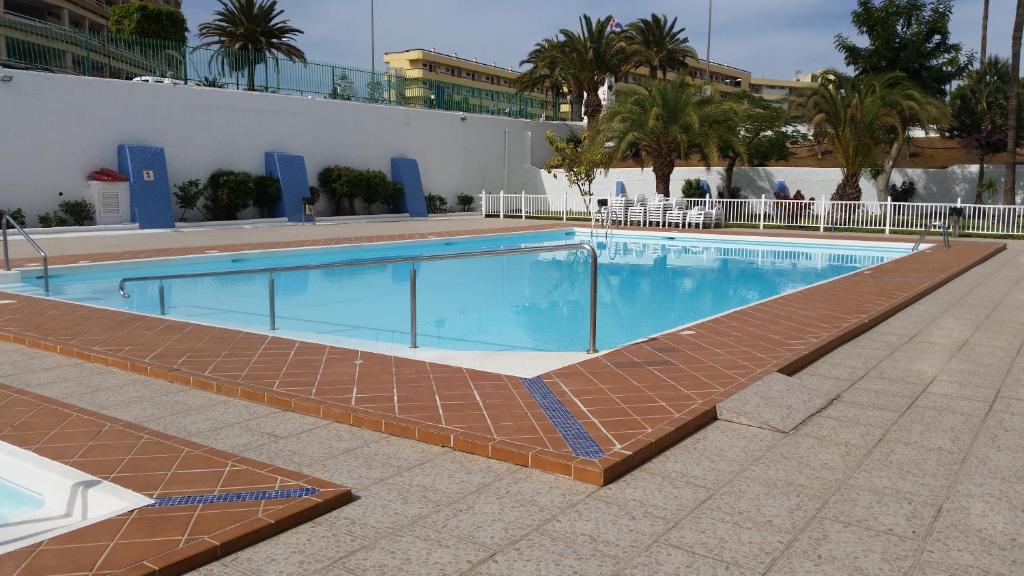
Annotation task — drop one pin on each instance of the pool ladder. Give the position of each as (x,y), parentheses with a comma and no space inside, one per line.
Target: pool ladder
(928,227)
(271,292)
(4,221)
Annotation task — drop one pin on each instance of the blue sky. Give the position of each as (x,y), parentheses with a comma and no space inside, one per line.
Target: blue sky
(768,37)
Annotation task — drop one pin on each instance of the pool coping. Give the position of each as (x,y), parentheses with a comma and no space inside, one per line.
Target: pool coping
(54,429)
(621,456)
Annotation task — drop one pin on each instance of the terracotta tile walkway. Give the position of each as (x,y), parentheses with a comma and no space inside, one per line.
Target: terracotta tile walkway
(162,540)
(634,401)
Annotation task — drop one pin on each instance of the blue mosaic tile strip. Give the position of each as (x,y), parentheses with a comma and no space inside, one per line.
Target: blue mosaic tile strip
(259,495)
(575,435)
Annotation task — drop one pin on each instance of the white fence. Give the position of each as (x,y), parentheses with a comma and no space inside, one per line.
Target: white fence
(769,212)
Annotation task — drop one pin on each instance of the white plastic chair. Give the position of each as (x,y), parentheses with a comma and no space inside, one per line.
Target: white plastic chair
(695,217)
(638,211)
(676,214)
(618,208)
(713,217)
(657,210)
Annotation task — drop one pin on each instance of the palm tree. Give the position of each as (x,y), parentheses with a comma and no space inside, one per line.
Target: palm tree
(661,122)
(1010,182)
(658,45)
(546,72)
(592,55)
(984,33)
(253,30)
(857,116)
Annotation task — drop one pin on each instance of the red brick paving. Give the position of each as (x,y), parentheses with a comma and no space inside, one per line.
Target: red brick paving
(171,540)
(635,401)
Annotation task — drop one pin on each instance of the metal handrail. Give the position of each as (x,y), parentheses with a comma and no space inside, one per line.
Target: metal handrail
(7,259)
(592,348)
(926,229)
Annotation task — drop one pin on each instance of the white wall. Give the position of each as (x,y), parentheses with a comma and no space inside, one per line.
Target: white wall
(55,129)
(948,185)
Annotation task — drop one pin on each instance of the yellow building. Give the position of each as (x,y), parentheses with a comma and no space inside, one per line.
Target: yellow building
(449,82)
(779,90)
(724,78)
(83,15)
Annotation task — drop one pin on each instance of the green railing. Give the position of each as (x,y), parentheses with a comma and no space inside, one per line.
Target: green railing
(45,46)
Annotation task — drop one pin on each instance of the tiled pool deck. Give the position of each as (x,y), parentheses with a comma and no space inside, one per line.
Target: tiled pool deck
(633,402)
(208,503)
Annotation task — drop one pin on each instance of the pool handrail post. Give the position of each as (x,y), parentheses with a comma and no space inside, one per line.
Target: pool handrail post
(5,218)
(483,203)
(565,206)
(761,216)
(888,214)
(501,205)
(412,306)
(163,301)
(821,217)
(592,343)
(522,206)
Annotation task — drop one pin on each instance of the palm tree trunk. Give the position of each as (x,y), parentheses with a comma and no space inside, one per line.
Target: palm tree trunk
(979,193)
(984,33)
(663,165)
(250,70)
(848,189)
(730,168)
(882,182)
(1010,183)
(592,106)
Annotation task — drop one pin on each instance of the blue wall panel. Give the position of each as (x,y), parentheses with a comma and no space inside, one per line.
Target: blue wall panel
(290,170)
(406,171)
(146,168)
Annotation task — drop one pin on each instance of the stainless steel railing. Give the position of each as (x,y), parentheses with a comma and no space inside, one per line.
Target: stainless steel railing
(924,234)
(7,258)
(272,305)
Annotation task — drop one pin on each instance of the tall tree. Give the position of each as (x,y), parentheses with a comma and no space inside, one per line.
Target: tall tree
(148,20)
(250,31)
(980,110)
(911,37)
(857,116)
(658,45)
(662,122)
(591,55)
(984,33)
(1010,182)
(547,73)
(758,133)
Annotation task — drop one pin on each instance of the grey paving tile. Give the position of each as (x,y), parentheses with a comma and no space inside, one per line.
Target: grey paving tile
(909,470)
(782,505)
(925,570)
(716,534)
(858,414)
(221,568)
(1009,405)
(930,428)
(793,565)
(414,553)
(655,495)
(283,424)
(299,551)
(969,388)
(886,512)
(821,426)
(877,398)
(543,555)
(540,488)
(400,452)
(664,560)
(819,453)
(324,441)
(488,519)
(232,438)
(380,510)
(698,469)
(616,531)
(943,402)
(857,549)
(356,472)
(971,553)
(778,402)
(451,476)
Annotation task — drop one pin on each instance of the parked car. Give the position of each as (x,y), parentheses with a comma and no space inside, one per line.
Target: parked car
(158,80)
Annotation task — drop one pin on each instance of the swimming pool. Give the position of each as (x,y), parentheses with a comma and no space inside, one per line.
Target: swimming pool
(648,283)
(41,498)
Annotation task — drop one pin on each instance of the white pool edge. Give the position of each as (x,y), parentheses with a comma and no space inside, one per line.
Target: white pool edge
(73,498)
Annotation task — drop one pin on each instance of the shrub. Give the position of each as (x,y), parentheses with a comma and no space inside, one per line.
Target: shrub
(188,194)
(906,192)
(436,204)
(148,20)
(377,188)
(734,192)
(265,194)
(78,212)
(692,188)
(52,219)
(228,192)
(465,202)
(341,184)
(18,215)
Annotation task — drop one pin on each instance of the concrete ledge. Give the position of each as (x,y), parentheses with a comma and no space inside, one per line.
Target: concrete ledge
(776,402)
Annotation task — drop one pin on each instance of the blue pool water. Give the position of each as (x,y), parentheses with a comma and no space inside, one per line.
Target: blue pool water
(536,302)
(16,501)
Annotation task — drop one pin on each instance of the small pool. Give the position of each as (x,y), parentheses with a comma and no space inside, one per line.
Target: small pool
(40,498)
(649,283)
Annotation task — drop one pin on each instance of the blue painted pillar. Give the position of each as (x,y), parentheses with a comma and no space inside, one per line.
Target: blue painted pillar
(406,171)
(146,168)
(290,171)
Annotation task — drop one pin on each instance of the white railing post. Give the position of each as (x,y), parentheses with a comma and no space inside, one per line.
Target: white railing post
(523,204)
(888,214)
(501,204)
(761,216)
(565,206)
(821,217)
(483,203)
